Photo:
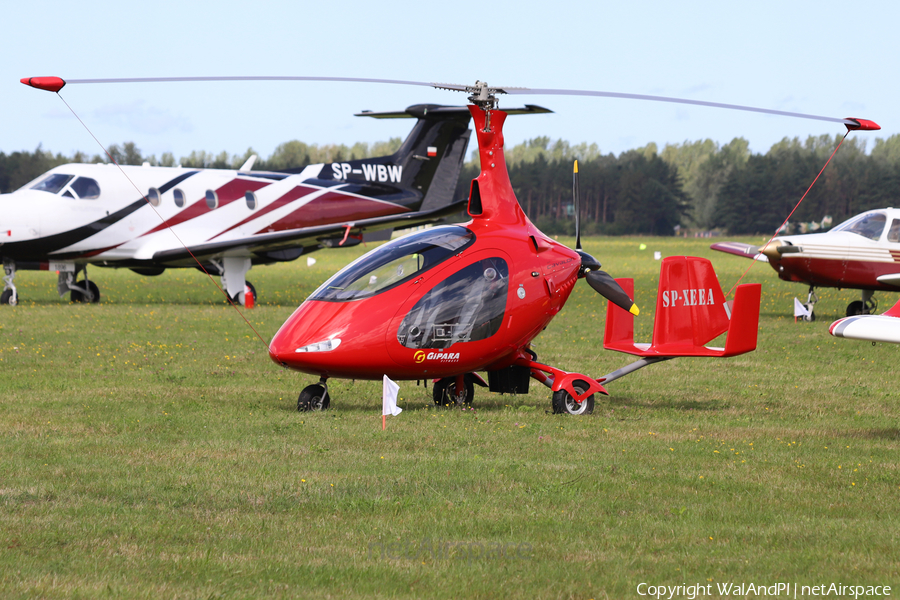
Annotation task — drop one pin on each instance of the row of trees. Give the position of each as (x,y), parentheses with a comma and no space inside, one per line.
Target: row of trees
(702,185)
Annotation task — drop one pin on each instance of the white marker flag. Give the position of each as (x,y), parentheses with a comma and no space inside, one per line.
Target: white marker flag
(310,261)
(799,309)
(389,398)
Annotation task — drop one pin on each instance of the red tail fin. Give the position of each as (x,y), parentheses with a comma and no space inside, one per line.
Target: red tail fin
(690,306)
(690,312)
(620,322)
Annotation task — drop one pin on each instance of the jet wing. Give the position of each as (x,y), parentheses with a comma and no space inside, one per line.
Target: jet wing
(297,238)
(740,249)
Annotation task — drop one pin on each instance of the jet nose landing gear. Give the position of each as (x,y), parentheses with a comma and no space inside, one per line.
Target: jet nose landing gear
(10,294)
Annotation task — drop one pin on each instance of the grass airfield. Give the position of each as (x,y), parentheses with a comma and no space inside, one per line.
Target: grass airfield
(150,449)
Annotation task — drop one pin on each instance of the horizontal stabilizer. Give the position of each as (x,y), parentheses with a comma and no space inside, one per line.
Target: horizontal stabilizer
(690,312)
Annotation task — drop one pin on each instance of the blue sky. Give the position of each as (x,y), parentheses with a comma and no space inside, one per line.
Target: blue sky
(828,58)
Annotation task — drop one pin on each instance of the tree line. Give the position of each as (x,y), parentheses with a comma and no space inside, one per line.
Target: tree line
(698,185)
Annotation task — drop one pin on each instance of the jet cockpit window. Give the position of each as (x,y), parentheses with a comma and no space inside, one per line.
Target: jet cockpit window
(86,188)
(393,263)
(467,306)
(53,183)
(869,225)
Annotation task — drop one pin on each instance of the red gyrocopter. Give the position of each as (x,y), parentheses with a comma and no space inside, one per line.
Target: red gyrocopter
(452,301)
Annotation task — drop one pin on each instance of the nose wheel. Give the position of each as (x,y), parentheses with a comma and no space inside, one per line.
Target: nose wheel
(314,397)
(811,299)
(9,295)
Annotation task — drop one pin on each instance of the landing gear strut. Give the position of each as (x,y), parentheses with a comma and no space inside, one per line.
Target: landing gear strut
(234,272)
(811,300)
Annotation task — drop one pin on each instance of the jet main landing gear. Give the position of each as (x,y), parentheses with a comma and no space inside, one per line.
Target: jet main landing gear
(84,291)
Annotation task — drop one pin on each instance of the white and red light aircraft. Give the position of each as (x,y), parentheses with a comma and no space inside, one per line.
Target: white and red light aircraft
(155,218)
(861,253)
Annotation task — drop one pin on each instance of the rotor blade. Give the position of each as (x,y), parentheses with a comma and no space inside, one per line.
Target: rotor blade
(609,288)
(250,78)
(554,92)
(575,202)
(480,89)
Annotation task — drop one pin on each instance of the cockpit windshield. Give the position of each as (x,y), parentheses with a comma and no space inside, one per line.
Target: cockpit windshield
(52,183)
(393,263)
(869,225)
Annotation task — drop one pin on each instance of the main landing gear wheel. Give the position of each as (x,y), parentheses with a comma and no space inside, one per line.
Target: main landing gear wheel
(855,308)
(93,295)
(445,393)
(248,287)
(7,298)
(564,403)
(313,397)
(862,307)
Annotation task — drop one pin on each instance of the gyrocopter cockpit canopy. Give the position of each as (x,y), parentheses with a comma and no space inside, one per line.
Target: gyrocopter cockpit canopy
(393,263)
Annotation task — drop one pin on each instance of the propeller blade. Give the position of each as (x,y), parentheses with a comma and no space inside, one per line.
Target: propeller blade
(604,284)
(575,201)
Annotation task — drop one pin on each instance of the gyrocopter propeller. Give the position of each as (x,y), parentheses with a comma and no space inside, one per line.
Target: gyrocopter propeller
(452,301)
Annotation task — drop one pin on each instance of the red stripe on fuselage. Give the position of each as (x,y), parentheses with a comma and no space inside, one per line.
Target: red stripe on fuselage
(228,193)
(333,207)
(849,274)
(294,194)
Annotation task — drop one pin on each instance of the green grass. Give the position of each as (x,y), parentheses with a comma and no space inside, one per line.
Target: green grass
(151,449)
